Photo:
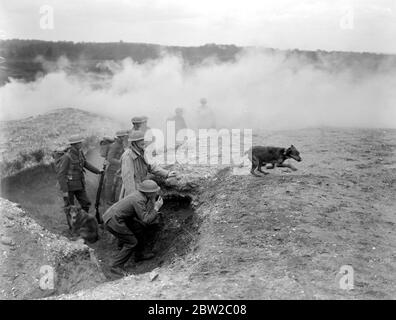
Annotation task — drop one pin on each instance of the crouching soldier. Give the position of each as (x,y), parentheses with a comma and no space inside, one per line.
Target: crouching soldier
(130,219)
(71,174)
(112,176)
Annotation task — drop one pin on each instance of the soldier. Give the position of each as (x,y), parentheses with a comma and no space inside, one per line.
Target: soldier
(112,175)
(71,174)
(206,118)
(134,165)
(140,124)
(179,124)
(130,220)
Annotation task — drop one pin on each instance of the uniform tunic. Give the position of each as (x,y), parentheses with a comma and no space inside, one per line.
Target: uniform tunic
(114,158)
(134,170)
(71,176)
(129,220)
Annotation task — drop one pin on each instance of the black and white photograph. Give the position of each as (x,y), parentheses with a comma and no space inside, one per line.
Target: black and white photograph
(183,150)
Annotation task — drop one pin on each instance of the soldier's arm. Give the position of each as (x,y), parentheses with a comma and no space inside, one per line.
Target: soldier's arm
(145,213)
(111,156)
(91,167)
(157,170)
(62,173)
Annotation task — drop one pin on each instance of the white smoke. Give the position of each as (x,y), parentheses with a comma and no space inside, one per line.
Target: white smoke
(258,90)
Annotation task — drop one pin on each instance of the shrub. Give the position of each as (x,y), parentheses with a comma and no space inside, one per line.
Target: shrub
(25,157)
(38,155)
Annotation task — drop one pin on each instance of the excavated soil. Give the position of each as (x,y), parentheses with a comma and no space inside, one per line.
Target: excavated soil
(37,193)
(285,235)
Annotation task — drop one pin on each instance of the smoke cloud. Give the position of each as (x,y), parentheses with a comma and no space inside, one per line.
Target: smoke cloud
(258,90)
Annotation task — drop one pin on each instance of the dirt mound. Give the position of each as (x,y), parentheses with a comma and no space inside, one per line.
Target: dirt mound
(28,250)
(36,191)
(286,235)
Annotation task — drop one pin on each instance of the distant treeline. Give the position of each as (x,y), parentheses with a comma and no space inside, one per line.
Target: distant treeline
(20,56)
(139,52)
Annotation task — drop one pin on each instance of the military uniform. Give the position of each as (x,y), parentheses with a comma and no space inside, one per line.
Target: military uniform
(71,177)
(129,220)
(135,169)
(112,177)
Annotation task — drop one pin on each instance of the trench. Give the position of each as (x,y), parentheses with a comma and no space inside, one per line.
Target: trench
(37,192)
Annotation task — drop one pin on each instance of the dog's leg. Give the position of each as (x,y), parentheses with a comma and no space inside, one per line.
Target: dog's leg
(259,168)
(285,165)
(255,163)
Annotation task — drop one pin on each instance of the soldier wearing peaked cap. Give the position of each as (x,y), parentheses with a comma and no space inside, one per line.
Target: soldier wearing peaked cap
(135,167)
(71,171)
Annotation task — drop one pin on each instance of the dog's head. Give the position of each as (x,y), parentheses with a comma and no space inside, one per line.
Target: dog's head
(75,213)
(292,152)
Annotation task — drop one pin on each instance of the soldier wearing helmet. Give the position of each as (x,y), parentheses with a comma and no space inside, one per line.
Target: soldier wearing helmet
(113,159)
(71,174)
(135,167)
(130,220)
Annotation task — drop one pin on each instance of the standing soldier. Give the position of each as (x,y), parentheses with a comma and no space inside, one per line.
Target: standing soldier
(205,116)
(114,165)
(179,124)
(140,124)
(71,174)
(135,167)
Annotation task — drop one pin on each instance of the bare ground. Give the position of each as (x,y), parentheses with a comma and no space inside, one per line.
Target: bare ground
(286,235)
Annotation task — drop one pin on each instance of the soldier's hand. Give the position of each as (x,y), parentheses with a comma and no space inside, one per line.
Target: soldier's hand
(158,204)
(172,174)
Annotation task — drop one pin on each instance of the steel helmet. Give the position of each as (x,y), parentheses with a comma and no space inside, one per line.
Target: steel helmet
(136,135)
(75,139)
(148,186)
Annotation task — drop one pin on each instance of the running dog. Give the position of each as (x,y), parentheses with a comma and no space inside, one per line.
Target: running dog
(271,155)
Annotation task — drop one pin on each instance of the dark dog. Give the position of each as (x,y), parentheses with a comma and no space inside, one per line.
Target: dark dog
(271,155)
(81,224)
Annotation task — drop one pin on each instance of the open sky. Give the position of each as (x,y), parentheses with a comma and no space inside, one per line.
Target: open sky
(347,25)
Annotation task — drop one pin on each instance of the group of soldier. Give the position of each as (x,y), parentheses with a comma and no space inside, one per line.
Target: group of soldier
(131,196)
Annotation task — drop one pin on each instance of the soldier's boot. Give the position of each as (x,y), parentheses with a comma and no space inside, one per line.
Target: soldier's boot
(123,256)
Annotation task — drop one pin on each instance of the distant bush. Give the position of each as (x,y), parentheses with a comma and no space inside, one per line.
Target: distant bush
(38,155)
(17,165)
(25,157)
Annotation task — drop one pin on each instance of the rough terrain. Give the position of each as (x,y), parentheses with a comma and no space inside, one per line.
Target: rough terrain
(282,236)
